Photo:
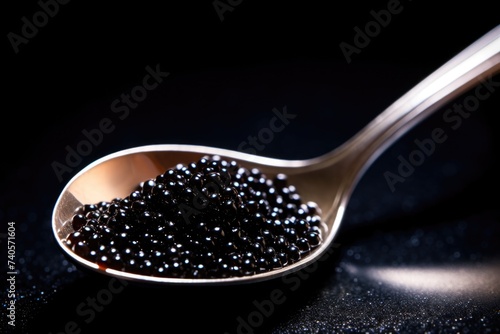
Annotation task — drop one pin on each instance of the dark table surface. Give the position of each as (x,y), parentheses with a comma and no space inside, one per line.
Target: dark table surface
(422,257)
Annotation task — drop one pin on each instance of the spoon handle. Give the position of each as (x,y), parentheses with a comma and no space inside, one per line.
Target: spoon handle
(479,61)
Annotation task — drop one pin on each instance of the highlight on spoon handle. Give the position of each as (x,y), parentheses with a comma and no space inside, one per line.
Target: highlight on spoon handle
(464,71)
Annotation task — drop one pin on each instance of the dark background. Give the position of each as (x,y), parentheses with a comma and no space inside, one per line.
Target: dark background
(225,79)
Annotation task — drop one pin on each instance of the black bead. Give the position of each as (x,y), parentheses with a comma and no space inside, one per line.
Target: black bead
(148,186)
(293,253)
(303,245)
(78,221)
(314,238)
(280,180)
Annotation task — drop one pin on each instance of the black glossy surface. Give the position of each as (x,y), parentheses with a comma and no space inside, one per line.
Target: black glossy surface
(423,258)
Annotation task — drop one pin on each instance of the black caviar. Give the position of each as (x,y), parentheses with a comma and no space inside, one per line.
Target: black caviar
(208,219)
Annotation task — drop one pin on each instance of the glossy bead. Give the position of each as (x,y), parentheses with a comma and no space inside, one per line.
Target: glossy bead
(148,186)
(248,266)
(78,221)
(293,253)
(283,258)
(314,238)
(281,242)
(302,226)
(81,249)
(303,245)
(276,263)
(92,215)
(280,180)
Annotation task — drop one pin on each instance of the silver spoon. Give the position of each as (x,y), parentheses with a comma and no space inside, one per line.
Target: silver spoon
(327,180)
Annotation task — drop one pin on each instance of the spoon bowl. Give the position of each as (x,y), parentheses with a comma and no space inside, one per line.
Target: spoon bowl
(118,174)
(327,180)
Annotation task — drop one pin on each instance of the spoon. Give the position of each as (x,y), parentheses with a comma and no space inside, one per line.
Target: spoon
(327,180)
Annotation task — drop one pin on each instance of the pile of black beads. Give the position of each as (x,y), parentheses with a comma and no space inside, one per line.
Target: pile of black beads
(208,219)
